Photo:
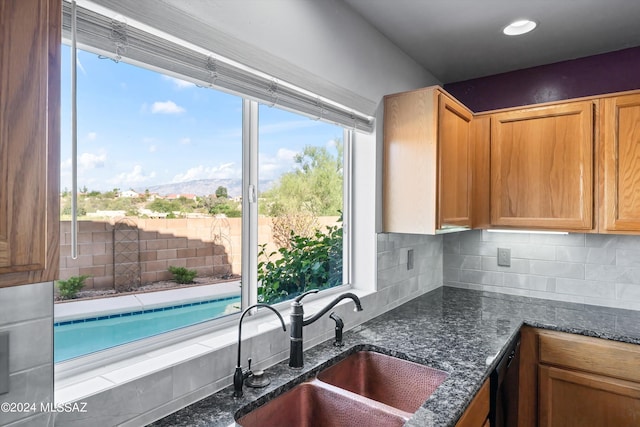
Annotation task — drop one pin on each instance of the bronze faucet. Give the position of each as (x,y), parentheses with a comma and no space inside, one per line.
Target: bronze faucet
(298,322)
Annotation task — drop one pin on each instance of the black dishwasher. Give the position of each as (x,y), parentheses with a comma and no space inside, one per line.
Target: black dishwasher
(503,410)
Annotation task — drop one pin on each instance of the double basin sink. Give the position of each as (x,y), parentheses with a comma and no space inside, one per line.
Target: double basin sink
(366,388)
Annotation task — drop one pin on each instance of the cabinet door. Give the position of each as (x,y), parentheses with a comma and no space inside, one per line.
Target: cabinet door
(568,398)
(542,167)
(29,140)
(621,134)
(477,413)
(454,164)
(410,157)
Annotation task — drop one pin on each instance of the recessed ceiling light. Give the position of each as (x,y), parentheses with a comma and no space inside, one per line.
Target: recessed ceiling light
(519,27)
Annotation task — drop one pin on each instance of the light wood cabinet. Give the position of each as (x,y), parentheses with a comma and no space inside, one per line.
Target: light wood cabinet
(30,42)
(573,380)
(477,413)
(427,163)
(577,399)
(620,124)
(542,167)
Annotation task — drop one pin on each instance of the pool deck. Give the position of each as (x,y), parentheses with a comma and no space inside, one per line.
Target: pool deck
(143,301)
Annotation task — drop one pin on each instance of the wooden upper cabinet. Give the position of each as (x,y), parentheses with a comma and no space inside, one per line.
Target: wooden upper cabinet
(620,125)
(30,42)
(427,162)
(542,167)
(454,161)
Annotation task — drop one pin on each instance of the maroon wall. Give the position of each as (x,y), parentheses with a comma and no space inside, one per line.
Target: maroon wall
(593,75)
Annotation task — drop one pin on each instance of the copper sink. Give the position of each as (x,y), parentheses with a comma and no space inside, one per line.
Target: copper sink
(364,389)
(396,382)
(313,404)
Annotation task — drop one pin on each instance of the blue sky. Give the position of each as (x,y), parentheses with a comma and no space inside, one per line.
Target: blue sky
(138,128)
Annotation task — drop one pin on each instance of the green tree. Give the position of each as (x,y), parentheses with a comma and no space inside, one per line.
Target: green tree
(313,262)
(221,192)
(314,187)
(111,194)
(161,205)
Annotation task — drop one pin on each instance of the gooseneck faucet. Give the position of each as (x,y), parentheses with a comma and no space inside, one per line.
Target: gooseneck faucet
(298,322)
(240,375)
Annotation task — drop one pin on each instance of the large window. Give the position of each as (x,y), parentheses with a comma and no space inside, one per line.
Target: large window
(167,180)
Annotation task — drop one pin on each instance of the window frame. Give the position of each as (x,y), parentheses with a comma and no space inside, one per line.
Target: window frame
(249,283)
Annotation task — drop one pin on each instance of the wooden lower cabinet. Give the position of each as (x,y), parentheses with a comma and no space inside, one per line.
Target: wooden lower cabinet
(571,380)
(477,414)
(570,398)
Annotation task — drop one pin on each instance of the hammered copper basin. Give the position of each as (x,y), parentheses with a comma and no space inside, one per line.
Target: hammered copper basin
(313,404)
(399,383)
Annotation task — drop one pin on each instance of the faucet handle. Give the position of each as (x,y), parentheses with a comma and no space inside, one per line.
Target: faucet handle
(338,329)
(249,364)
(312,291)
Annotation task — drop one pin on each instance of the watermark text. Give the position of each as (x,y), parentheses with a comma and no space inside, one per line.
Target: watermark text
(28,407)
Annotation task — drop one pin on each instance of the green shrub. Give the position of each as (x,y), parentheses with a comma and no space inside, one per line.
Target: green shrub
(313,262)
(69,288)
(182,275)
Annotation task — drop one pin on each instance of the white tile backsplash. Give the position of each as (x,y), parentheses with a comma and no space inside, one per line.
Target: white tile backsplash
(27,313)
(585,268)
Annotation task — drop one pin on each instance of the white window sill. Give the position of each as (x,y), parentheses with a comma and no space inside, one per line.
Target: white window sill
(78,379)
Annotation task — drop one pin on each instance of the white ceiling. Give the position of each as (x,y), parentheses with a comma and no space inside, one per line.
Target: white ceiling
(462,39)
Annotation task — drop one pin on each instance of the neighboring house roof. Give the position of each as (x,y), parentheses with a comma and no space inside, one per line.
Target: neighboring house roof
(129,193)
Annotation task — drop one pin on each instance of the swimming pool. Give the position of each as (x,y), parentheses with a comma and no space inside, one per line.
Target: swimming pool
(76,338)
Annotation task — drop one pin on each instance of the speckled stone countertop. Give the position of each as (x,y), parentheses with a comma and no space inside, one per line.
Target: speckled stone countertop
(458,331)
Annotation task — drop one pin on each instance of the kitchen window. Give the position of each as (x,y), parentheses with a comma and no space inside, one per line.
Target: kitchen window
(278,218)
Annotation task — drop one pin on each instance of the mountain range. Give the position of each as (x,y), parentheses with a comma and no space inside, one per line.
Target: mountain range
(204,187)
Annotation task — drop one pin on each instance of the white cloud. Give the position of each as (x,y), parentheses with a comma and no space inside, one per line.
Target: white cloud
(87,173)
(65,165)
(185,141)
(271,167)
(332,143)
(178,83)
(92,136)
(223,171)
(166,107)
(129,179)
(153,149)
(88,161)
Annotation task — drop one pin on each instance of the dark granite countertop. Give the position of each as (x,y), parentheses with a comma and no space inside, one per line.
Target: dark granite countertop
(458,331)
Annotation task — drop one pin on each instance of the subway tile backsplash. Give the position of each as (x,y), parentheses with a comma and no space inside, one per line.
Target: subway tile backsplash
(26,312)
(393,271)
(593,269)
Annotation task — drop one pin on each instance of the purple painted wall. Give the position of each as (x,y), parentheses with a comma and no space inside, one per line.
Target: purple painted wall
(593,75)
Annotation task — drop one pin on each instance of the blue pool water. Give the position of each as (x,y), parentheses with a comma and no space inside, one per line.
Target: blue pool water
(80,337)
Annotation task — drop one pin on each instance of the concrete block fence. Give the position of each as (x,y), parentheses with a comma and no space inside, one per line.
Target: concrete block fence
(211,246)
